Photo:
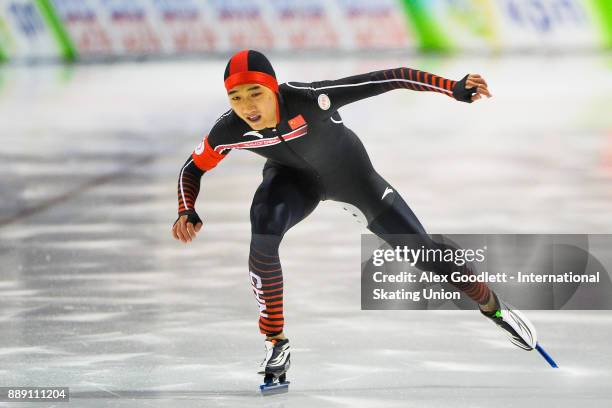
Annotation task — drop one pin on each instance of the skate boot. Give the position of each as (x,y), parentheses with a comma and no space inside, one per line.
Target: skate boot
(515,325)
(274,367)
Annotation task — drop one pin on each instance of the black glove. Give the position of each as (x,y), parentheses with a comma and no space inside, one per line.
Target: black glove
(192,217)
(461,93)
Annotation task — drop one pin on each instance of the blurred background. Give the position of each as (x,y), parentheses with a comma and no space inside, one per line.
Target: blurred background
(101,103)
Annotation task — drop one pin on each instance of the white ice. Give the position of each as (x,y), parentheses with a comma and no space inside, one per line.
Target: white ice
(97,296)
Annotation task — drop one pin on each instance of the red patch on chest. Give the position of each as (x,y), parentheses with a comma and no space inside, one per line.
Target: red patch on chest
(296,122)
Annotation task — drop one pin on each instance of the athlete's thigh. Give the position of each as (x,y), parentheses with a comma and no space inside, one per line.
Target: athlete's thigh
(284,198)
(357,183)
(382,205)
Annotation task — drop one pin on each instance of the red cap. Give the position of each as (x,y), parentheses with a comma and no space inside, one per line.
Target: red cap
(250,67)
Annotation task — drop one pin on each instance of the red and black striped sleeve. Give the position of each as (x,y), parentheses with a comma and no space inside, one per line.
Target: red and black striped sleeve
(354,88)
(189,186)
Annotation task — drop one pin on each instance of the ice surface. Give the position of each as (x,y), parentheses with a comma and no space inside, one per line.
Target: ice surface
(95,294)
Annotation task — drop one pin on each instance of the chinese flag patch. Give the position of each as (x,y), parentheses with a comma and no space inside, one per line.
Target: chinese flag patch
(296,122)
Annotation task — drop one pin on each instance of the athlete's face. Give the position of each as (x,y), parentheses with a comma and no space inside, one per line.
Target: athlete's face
(255,104)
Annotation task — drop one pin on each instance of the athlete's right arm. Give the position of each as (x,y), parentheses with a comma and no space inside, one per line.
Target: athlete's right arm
(202,159)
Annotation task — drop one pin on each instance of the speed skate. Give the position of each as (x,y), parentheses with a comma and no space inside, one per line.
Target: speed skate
(274,367)
(519,330)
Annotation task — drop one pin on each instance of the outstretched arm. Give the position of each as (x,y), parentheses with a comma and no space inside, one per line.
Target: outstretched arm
(354,88)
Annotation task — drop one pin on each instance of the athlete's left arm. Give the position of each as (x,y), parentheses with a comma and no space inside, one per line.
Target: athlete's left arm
(354,88)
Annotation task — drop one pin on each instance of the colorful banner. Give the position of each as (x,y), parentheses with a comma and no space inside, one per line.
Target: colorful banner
(488,25)
(25,33)
(83,21)
(603,13)
(5,39)
(57,28)
(561,25)
(129,23)
(304,25)
(242,24)
(102,29)
(373,24)
(185,26)
(109,28)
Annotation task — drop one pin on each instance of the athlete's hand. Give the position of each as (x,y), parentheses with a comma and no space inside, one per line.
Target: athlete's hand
(186,226)
(471,88)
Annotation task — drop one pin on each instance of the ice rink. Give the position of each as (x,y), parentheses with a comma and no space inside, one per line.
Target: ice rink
(95,294)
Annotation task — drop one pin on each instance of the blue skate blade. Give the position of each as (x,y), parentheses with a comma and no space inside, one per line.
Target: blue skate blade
(546,356)
(274,388)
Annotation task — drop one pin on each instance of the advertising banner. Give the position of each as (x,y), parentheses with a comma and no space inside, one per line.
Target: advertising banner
(487,25)
(109,27)
(373,24)
(603,13)
(25,33)
(98,29)
(300,25)
(242,24)
(5,39)
(184,26)
(86,27)
(560,25)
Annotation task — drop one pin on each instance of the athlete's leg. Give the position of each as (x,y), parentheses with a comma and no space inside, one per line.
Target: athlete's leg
(394,217)
(284,198)
(388,215)
(391,219)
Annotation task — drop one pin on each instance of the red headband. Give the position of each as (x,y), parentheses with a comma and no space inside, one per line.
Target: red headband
(251,77)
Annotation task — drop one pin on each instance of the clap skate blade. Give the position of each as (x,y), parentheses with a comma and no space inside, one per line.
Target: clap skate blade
(273,385)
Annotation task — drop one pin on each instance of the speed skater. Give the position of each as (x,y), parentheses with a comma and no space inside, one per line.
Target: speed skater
(313,156)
